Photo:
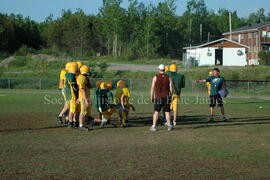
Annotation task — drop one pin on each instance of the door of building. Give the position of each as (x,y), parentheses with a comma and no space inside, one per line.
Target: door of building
(219,57)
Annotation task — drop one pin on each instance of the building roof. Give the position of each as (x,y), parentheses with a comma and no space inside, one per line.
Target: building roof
(250,27)
(214,42)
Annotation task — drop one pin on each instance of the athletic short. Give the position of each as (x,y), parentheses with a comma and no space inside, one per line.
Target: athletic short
(73,105)
(86,111)
(164,103)
(174,104)
(216,99)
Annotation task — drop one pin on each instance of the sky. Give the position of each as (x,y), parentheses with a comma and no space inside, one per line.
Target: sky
(38,10)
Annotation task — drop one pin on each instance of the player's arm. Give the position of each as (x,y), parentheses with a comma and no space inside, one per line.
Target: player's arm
(62,82)
(122,101)
(183,82)
(153,87)
(201,81)
(171,86)
(83,91)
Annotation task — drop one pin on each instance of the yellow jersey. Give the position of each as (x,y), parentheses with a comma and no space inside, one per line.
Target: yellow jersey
(83,83)
(117,96)
(62,77)
(119,92)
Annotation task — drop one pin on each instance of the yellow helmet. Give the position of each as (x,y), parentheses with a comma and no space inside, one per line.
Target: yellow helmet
(108,84)
(79,64)
(173,68)
(210,73)
(68,64)
(102,85)
(84,69)
(121,82)
(98,83)
(167,68)
(73,64)
(72,69)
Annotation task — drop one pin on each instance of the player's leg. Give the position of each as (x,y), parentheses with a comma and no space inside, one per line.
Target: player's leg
(222,110)
(212,108)
(72,112)
(155,118)
(175,108)
(82,115)
(105,118)
(127,116)
(157,109)
(120,114)
(166,106)
(64,110)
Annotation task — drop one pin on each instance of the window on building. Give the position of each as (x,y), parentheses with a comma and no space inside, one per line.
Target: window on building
(268,34)
(240,37)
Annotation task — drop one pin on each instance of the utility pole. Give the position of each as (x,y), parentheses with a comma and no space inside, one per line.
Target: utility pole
(230,23)
(200,33)
(190,23)
(208,40)
(147,46)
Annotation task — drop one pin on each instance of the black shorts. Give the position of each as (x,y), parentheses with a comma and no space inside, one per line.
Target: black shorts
(164,103)
(216,99)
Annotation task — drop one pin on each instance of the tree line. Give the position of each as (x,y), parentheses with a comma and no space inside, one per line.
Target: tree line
(137,31)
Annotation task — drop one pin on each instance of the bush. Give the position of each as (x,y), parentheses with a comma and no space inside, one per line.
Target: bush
(264,58)
(20,61)
(3,56)
(103,66)
(53,51)
(24,50)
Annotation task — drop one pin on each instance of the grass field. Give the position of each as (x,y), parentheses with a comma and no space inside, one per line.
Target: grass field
(34,146)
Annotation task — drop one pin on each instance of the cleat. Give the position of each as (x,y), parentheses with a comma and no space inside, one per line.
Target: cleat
(89,119)
(59,119)
(103,122)
(211,119)
(153,128)
(71,125)
(92,123)
(83,128)
(170,128)
(224,119)
(76,124)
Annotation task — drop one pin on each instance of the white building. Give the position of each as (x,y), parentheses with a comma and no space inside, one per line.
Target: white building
(219,52)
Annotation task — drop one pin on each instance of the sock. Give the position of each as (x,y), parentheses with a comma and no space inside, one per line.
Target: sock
(81,125)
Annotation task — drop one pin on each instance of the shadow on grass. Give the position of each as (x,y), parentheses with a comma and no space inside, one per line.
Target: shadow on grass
(199,120)
(203,122)
(32,129)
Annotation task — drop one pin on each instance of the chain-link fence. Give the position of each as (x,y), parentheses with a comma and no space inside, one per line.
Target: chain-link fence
(141,86)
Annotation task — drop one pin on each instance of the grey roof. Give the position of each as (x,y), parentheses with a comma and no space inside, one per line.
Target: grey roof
(213,42)
(251,27)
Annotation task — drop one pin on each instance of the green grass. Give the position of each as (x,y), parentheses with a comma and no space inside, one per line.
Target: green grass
(34,146)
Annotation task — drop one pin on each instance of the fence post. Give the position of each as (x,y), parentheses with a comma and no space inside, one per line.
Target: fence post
(9,83)
(130,82)
(248,87)
(40,83)
(192,86)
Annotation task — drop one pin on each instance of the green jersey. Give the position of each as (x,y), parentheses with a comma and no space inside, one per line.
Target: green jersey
(217,83)
(104,99)
(178,81)
(71,87)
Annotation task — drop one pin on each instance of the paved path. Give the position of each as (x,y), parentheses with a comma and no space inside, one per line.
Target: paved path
(132,67)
